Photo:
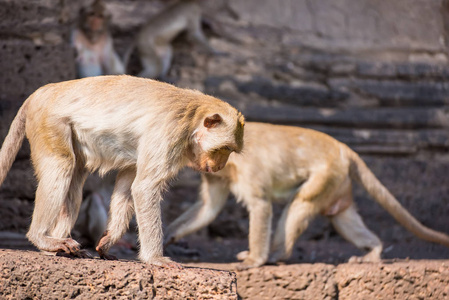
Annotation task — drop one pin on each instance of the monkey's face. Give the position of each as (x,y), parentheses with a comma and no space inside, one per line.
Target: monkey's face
(94,19)
(215,160)
(95,22)
(213,142)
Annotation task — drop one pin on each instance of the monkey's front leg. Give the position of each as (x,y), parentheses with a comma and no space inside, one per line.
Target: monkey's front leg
(214,192)
(147,198)
(260,214)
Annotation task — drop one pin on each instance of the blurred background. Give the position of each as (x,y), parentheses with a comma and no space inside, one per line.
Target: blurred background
(373,74)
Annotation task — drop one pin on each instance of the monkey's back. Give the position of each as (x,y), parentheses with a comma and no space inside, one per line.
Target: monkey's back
(280,158)
(109,117)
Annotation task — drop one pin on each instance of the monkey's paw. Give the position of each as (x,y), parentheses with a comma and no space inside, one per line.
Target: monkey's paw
(369,258)
(77,254)
(165,262)
(250,263)
(106,256)
(242,255)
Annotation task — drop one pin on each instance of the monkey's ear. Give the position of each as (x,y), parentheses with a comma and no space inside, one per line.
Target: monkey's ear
(212,121)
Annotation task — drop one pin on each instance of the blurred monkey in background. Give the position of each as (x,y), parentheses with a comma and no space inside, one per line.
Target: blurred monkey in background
(93,216)
(314,173)
(154,40)
(94,45)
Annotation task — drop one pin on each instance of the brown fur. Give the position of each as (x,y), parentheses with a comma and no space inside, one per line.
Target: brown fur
(154,39)
(94,44)
(310,169)
(147,130)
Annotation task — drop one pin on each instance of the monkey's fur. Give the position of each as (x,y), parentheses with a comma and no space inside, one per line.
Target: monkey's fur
(311,169)
(145,129)
(94,44)
(154,39)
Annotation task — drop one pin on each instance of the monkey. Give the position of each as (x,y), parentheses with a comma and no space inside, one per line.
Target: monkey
(145,129)
(94,44)
(154,39)
(314,173)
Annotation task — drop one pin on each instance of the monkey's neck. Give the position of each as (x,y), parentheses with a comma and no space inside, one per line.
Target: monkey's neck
(94,36)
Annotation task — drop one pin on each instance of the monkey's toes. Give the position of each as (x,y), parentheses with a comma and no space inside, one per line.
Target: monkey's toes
(72,245)
(84,254)
(165,262)
(249,263)
(173,265)
(106,256)
(74,254)
(242,255)
(369,258)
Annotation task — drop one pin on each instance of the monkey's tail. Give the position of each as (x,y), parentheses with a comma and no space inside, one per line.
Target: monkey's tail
(361,173)
(12,142)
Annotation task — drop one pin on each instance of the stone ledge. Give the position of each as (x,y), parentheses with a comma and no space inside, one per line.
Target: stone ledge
(32,275)
(399,280)
(414,279)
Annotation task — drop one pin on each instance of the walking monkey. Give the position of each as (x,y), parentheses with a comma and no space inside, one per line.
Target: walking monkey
(147,130)
(154,39)
(94,45)
(311,169)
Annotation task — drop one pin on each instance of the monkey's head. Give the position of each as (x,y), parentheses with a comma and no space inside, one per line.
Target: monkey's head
(215,139)
(93,20)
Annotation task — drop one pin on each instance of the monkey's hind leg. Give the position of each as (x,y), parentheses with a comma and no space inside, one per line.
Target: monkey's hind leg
(349,225)
(58,198)
(297,215)
(120,213)
(151,63)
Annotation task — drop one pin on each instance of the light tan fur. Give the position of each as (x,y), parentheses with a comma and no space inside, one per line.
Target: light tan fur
(94,44)
(314,172)
(154,39)
(147,130)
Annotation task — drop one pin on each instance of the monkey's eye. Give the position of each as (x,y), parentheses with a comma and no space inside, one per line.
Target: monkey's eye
(225,148)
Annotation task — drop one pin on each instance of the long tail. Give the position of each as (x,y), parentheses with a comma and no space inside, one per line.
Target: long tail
(361,173)
(12,142)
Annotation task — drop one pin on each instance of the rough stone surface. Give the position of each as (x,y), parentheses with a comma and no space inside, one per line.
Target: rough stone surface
(33,275)
(401,280)
(420,279)
(303,281)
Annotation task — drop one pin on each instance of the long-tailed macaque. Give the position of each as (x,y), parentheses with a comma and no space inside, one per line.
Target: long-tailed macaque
(145,129)
(94,45)
(312,170)
(154,39)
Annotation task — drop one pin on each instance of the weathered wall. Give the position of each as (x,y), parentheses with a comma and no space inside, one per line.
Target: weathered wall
(370,73)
